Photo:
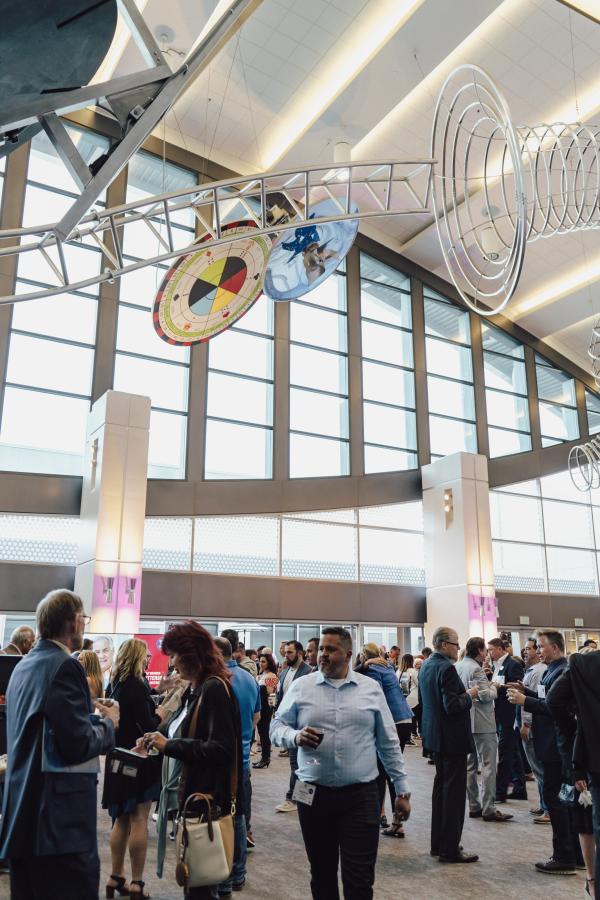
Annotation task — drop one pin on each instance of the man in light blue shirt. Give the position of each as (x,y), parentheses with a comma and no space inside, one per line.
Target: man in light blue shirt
(337,792)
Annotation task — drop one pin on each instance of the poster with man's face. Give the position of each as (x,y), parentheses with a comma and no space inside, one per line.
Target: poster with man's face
(106,647)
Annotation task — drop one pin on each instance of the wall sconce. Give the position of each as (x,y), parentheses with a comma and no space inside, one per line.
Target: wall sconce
(448,506)
(130,584)
(107,588)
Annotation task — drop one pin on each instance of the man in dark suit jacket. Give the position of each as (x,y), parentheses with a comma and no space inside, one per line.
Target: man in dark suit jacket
(510,766)
(446,732)
(49,812)
(545,740)
(295,668)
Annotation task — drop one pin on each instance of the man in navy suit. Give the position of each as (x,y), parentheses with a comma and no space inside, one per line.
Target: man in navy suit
(49,813)
(295,668)
(446,732)
(507,669)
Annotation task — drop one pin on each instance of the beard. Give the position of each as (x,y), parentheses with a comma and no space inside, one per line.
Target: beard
(77,642)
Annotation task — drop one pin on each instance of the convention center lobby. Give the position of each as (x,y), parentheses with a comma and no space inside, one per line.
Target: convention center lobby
(299,449)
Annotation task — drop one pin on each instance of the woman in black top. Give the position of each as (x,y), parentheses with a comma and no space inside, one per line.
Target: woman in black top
(137,715)
(208,755)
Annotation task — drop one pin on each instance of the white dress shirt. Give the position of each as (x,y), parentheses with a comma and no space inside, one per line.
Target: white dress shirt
(358,727)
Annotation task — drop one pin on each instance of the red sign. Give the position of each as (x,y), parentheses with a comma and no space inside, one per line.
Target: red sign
(159,663)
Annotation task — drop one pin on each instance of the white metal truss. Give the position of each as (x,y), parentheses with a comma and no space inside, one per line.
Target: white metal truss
(274,202)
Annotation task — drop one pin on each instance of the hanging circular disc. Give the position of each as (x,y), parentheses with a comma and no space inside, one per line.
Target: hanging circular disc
(208,290)
(304,257)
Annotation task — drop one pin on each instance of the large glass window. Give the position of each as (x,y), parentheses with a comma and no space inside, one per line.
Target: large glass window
(389,418)
(558,406)
(505,392)
(51,350)
(239,425)
(592,403)
(319,427)
(145,364)
(449,377)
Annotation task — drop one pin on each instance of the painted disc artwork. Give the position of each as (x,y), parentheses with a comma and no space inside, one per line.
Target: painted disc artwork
(304,257)
(208,290)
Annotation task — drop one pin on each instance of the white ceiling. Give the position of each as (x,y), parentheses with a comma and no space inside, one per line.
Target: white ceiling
(245,110)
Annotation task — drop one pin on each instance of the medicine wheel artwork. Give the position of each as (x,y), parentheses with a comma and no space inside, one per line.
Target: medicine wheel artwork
(206,291)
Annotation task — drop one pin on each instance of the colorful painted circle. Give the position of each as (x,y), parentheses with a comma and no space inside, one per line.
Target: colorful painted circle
(304,257)
(208,290)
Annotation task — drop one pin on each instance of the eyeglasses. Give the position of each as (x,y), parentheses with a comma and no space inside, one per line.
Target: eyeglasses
(86,619)
(454,644)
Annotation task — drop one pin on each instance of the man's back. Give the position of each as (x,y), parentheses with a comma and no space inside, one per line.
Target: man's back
(246,690)
(446,719)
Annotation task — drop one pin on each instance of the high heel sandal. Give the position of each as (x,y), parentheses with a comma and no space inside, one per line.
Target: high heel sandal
(589,881)
(262,764)
(139,893)
(119,887)
(395,831)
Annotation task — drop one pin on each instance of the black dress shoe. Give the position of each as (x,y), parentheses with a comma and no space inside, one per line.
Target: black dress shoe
(476,815)
(461,858)
(555,867)
(500,799)
(498,817)
(518,795)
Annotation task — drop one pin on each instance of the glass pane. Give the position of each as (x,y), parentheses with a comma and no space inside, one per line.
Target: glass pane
(237,451)
(318,413)
(136,334)
(500,342)
(407,516)
(555,386)
(451,398)
(140,287)
(530,488)
(65,316)
(82,263)
(560,487)
(384,459)
(247,354)
(505,443)
(507,410)
(387,344)
(240,398)
(448,359)
(519,567)
(330,293)
(592,403)
(259,317)
(318,369)
(165,384)
(384,304)
(448,436)
(516,518)
(446,321)
(343,516)
(42,432)
(318,550)
(388,385)
(46,167)
(558,422)
(375,270)
(319,327)
(391,427)
(168,544)
(246,545)
(571,571)
(166,452)
(50,365)
(314,457)
(568,524)
(504,374)
(391,557)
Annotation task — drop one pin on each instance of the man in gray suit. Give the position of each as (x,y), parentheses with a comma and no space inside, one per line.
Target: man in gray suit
(483,724)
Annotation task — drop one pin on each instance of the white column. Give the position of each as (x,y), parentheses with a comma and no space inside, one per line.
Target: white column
(113,504)
(459,572)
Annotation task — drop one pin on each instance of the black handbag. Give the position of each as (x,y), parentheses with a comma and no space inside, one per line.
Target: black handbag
(127,775)
(568,795)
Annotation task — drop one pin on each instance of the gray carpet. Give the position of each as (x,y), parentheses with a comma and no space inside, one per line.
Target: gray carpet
(277,868)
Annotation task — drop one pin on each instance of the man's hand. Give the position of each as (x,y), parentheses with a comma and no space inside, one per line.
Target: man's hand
(308,737)
(109,709)
(516,697)
(473,692)
(524,731)
(515,686)
(168,681)
(581,785)
(155,739)
(402,808)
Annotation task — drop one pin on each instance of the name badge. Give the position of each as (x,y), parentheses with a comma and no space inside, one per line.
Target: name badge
(304,793)
(501,679)
(542,691)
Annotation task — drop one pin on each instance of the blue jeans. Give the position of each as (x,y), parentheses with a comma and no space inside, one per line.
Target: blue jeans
(595,788)
(240,854)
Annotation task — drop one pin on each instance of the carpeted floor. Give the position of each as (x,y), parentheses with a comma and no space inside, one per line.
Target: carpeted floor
(277,868)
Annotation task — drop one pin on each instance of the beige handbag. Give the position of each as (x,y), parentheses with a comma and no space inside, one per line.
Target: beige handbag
(205,845)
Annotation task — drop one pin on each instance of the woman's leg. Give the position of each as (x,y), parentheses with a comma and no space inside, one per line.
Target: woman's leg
(138,840)
(118,844)
(265,740)
(588,849)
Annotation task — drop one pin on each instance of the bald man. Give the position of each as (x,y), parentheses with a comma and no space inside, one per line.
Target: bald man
(21,641)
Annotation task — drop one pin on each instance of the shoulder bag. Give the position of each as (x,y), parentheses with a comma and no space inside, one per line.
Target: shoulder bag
(205,844)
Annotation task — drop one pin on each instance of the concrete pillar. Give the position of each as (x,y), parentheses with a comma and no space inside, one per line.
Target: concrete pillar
(459,572)
(113,505)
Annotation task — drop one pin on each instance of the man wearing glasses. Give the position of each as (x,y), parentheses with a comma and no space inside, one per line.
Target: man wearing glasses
(446,732)
(54,740)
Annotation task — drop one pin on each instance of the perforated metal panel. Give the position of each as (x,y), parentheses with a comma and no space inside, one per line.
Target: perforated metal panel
(244,545)
(168,544)
(39,539)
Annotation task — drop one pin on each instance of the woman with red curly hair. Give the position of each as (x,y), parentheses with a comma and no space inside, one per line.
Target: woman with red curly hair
(201,762)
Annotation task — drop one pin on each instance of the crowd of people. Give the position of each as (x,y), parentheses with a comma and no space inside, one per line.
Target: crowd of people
(490,721)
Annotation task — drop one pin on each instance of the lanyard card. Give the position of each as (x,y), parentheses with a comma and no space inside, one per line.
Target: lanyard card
(304,793)
(542,691)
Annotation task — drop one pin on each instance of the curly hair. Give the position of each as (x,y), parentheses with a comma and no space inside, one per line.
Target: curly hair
(197,650)
(271,664)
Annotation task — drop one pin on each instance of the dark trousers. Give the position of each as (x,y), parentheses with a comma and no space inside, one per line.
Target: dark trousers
(448,803)
(383,778)
(293,757)
(595,787)
(416,722)
(263,732)
(563,846)
(510,767)
(69,876)
(342,825)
